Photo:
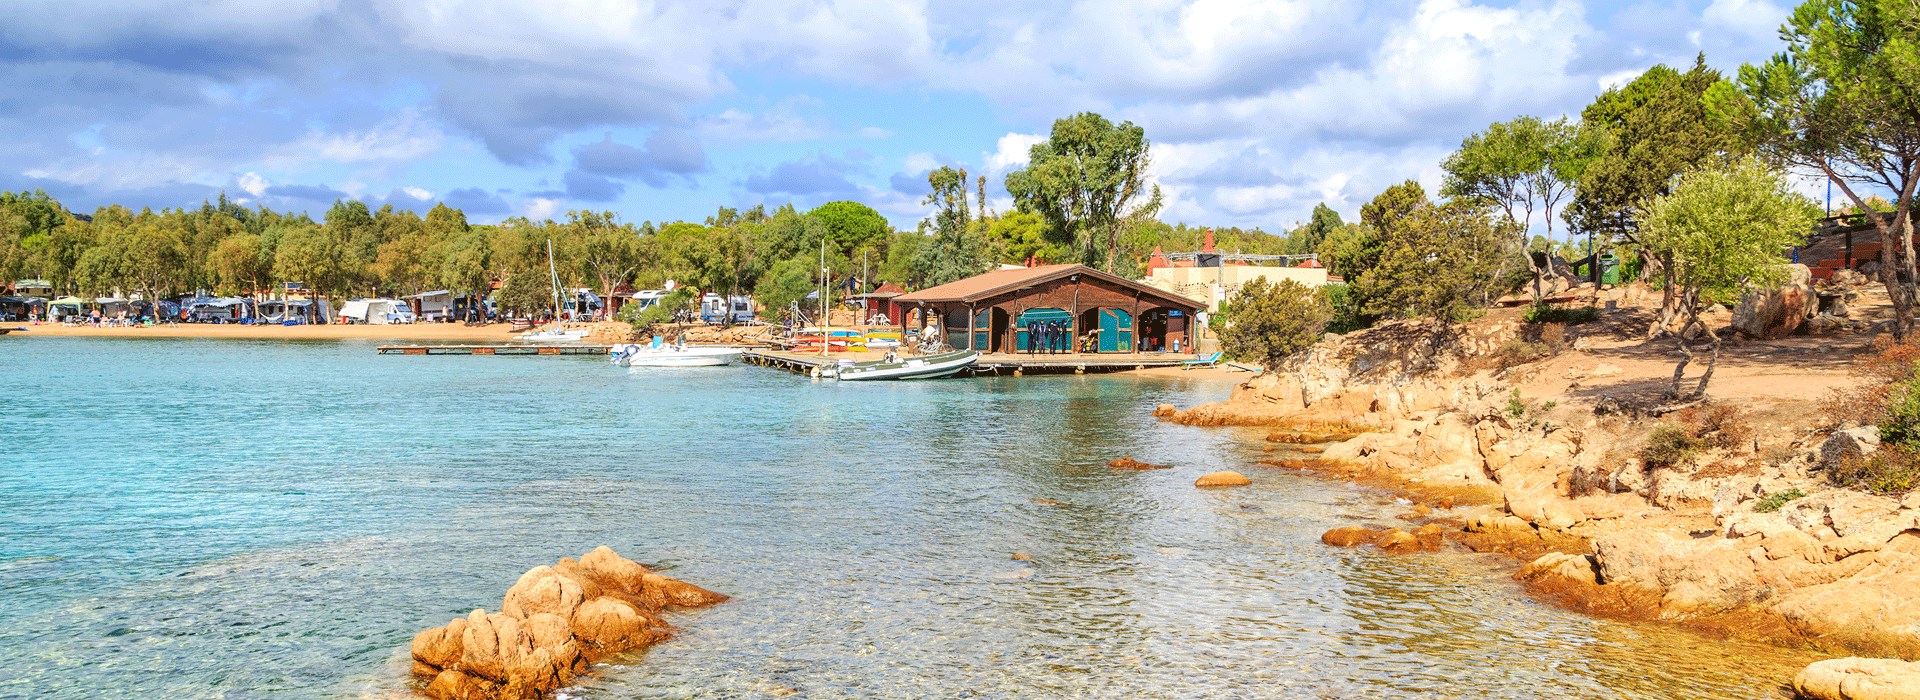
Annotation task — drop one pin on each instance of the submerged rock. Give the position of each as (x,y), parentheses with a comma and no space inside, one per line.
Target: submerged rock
(1164,410)
(1131,463)
(1856,678)
(554,621)
(1427,538)
(1222,479)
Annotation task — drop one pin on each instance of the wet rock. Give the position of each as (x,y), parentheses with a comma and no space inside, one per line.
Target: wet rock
(1164,410)
(1577,568)
(553,622)
(1048,502)
(1853,442)
(1426,539)
(1399,541)
(1855,678)
(1131,463)
(1222,479)
(1350,536)
(1022,556)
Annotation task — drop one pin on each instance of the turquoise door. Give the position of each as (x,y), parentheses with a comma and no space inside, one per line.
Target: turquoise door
(982,330)
(1041,315)
(1116,331)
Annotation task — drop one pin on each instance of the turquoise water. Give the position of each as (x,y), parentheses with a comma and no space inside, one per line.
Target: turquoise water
(247,519)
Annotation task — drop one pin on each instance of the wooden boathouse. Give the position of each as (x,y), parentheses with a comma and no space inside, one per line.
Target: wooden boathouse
(991,312)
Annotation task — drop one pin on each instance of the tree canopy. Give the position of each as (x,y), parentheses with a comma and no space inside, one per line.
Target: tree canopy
(1088,179)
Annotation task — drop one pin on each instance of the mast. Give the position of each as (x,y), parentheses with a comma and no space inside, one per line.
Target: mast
(554,273)
(826,310)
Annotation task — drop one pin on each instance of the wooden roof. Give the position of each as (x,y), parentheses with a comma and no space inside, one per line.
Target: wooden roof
(998,282)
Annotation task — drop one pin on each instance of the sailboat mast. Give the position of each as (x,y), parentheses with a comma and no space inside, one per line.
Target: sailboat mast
(826,309)
(554,273)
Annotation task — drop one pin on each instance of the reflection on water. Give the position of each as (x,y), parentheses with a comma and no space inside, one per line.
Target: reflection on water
(191,519)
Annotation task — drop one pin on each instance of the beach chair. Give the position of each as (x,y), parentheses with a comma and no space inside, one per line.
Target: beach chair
(1212,360)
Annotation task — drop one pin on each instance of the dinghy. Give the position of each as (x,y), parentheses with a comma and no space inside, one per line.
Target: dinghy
(944,364)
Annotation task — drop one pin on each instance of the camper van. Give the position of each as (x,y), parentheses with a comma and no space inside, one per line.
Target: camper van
(716,309)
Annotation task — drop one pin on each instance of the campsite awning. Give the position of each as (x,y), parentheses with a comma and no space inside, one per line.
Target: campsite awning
(70,301)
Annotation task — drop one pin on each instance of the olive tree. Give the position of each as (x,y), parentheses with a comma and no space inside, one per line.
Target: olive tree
(1722,232)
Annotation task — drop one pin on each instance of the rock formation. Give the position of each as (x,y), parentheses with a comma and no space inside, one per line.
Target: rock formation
(1222,479)
(1855,678)
(1426,538)
(552,623)
(1779,312)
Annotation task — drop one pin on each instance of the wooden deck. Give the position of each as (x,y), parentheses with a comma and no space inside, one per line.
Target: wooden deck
(568,349)
(989,365)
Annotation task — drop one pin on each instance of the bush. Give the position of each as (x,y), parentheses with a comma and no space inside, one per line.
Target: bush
(1891,470)
(1346,309)
(1773,501)
(1719,426)
(660,312)
(1867,401)
(1670,445)
(1268,323)
(1547,313)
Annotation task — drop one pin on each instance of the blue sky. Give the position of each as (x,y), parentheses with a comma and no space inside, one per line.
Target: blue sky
(666,110)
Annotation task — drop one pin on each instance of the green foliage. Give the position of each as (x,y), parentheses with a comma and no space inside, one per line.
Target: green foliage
(957,250)
(1900,419)
(1515,165)
(1268,323)
(527,293)
(1890,470)
(1774,501)
(1645,133)
(1309,237)
(1670,445)
(1346,311)
(661,311)
(1515,407)
(851,226)
(1548,313)
(788,282)
(1085,179)
(1017,236)
(1445,262)
(1724,229)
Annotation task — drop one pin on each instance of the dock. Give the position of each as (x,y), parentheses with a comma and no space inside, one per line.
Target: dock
(998,364)
(568,349)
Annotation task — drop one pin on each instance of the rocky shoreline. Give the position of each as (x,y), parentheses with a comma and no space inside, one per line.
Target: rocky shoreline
(1750,540)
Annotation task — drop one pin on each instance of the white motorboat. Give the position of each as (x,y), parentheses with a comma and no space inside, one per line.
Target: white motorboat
(554,336)
(934,366)
(635,355)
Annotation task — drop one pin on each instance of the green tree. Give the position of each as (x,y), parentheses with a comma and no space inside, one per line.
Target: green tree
(957,250)
(1446,262)
(1308,237)
(317,258)
(609,251)
(527,294)
(1018,236)
(851,226)
(1844,100)
(1269,323)
(788,282)
(1354,250)
(1722,231)
(1085,179)
(238,266)
(1512,165)
(464,263)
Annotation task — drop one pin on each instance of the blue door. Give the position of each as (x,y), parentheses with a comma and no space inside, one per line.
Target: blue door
(1116,331)
(982,330)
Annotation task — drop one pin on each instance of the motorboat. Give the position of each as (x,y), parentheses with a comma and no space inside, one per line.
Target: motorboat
(554,336)
(945,364)
(676,355)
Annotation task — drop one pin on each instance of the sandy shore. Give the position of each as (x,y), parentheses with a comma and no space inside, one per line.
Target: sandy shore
(418,332)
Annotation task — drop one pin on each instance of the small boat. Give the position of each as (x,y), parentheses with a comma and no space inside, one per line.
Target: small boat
(636,355)
(883,339)
(837,339)
(554,336)
(934,366)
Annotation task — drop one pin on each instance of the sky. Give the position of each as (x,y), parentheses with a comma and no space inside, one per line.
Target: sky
(667,110)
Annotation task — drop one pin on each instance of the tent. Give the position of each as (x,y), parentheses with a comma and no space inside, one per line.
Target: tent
(67,306)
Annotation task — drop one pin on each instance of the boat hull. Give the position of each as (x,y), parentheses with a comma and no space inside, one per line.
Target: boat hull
(641,356)
(928,367)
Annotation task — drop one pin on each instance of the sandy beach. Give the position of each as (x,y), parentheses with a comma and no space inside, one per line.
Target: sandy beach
(417,332)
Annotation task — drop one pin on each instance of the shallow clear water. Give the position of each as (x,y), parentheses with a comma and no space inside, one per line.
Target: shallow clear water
(241,519)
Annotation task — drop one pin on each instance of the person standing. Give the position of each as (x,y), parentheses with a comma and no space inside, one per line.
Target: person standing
(1033,337)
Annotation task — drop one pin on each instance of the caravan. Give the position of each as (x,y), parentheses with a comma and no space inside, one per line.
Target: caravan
(376,312)
(718,310)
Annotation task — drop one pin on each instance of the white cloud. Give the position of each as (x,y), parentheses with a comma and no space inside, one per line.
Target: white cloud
(253,184)
(1752,18)
(537,208)
(920,162)
(418,193)
(406,137)
(1011,151)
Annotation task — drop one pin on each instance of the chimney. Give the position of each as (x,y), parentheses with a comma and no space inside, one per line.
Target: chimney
(1208,246)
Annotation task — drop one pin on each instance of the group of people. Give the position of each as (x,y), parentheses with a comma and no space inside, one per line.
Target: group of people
(1049,337)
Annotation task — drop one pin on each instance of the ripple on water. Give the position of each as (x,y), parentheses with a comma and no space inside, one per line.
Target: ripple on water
(194,519)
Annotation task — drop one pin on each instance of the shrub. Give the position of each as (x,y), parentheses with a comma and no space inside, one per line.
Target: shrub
(660,312)
(1547,313)
(1268,323)
(1670,445)
(1891,470)
(1773,501)
(1868,400)
(1719,426)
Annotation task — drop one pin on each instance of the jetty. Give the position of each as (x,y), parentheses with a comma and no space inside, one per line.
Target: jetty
(568,349)
(997,364)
